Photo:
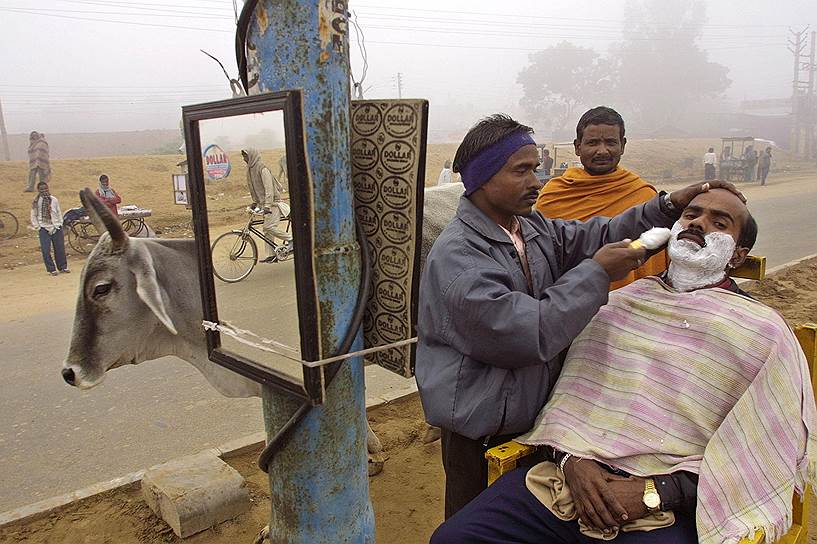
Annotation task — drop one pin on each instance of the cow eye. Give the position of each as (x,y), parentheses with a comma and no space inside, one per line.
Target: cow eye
(102,289)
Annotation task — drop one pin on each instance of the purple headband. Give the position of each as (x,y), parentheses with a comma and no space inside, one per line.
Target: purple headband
(491,159)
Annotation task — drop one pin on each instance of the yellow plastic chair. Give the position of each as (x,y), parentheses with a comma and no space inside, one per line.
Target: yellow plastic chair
(504,458)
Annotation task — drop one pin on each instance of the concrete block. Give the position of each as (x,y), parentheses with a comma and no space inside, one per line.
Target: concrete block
(195,493)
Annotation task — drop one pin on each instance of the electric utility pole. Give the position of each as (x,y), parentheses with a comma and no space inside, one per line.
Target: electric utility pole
(319,483)
(399,85)
(3,135)
(802,99)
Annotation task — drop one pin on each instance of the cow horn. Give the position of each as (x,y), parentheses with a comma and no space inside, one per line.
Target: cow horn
(103,219)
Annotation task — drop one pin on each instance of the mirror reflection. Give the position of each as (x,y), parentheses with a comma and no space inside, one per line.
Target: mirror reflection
(248,210)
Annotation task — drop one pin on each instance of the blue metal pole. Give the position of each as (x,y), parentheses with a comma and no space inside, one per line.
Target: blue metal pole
(319,480)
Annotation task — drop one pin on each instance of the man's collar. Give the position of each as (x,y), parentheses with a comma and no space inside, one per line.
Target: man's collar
(475,218)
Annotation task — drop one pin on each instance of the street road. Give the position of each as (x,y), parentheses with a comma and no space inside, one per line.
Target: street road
(55,439)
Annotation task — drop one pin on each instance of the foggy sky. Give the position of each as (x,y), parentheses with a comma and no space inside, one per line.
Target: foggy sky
(64,73)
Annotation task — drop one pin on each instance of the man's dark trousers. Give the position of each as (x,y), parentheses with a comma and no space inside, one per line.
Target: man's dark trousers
(466,470)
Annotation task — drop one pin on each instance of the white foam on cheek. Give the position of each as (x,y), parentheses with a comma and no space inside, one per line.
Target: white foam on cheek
(693,267)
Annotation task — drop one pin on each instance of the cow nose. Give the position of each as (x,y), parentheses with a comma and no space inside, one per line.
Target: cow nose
(68,376)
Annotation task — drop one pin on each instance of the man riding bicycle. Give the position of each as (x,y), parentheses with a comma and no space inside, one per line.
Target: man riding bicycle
(266,191)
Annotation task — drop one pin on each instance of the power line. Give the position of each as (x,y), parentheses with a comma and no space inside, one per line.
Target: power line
(155,25)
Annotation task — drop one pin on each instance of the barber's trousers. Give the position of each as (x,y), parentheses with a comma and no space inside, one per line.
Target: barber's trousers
(466,470)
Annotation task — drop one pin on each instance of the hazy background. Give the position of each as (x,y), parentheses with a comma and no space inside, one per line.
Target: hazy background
(96,65)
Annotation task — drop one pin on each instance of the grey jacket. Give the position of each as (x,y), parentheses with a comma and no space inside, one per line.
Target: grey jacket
(489,351)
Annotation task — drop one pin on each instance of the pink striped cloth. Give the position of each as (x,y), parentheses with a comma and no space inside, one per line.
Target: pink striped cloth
(709,382)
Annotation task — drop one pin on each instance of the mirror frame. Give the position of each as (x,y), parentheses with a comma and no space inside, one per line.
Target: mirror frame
(302,213)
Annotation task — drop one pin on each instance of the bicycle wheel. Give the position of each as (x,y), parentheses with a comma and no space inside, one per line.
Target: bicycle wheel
(8,225)
(131,227)
(82,237)
(234,256)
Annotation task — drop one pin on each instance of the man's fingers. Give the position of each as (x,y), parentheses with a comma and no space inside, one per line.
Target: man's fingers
(718,184)
(613,505)
(591,518)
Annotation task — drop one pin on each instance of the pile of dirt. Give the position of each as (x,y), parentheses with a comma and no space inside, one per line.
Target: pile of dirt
(792,292)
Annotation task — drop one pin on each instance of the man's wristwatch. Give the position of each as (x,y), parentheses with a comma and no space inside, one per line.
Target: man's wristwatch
(652,500)
(666,204)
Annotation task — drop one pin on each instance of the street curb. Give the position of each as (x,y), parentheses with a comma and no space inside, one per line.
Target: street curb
(228,450)
(225,451)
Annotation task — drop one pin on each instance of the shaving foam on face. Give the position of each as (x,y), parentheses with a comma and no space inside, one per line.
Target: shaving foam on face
(694,267)
(652,239)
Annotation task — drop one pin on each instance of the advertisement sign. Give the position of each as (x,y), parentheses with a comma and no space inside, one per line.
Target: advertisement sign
(180,189)
(388,174)
(216,162)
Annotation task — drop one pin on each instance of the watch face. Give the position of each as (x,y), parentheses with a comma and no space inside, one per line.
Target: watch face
(652,500)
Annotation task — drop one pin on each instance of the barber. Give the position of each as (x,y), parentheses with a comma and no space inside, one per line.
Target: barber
(505,291)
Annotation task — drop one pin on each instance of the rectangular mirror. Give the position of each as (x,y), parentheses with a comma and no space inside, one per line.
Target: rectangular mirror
(252,211)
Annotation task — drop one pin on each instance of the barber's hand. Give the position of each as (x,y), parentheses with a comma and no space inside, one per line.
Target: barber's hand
(618,259)
(682,197)
(630,493)
(596,503)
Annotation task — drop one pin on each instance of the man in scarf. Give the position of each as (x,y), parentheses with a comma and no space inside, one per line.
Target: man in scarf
(504,291)
(46,218)
(38,160)
(601,187)
(684,412)
(107,195)
(265,191)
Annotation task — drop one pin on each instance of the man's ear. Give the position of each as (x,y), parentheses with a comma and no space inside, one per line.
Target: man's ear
(576,147)
(738,257)
(623,144)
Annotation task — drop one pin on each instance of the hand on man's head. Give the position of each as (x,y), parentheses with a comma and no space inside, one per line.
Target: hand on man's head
(682,197)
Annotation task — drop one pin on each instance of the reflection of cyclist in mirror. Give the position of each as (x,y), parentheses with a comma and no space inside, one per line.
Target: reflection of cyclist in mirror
(265,191)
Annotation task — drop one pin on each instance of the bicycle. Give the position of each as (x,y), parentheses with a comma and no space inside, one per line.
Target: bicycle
(235,253)
(8,225)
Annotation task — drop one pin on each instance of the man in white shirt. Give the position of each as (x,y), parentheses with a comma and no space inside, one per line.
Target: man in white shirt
(446,176)
(709,164)
(46,218)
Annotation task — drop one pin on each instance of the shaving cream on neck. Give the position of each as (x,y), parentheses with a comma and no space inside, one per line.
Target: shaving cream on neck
(693,267)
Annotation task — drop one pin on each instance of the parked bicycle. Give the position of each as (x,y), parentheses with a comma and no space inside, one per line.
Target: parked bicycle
(8,225)
(235,253)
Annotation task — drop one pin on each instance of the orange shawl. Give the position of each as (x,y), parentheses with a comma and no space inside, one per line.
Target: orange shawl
(578,195)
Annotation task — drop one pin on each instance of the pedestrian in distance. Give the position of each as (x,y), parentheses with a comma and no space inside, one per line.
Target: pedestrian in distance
(446,175)
(107,195)
(710,158)
(39,163)
(46,219)
(764,163)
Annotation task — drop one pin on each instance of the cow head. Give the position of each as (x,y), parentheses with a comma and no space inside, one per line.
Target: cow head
(121,310)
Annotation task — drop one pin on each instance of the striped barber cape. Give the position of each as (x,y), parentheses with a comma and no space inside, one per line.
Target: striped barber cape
(709,382)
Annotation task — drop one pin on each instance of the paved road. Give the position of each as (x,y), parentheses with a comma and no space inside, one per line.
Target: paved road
(54,439)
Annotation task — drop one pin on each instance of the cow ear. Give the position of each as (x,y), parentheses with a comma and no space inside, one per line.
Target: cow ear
(147,285)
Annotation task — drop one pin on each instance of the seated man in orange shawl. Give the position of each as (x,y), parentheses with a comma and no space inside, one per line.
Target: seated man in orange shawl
(601,186)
